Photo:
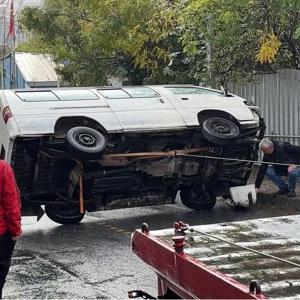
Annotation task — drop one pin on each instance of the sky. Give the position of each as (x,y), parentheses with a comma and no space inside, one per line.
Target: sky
(28,2)
(33,1)
(6,7)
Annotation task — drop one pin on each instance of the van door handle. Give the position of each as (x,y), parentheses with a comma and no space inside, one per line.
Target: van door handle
(161,100)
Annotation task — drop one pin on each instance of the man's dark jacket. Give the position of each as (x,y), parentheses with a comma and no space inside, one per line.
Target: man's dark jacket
(283,152)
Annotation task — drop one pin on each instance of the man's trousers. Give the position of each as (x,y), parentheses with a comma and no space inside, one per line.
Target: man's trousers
(277,180)
(7,246)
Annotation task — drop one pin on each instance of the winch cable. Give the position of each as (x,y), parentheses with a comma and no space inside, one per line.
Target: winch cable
(236,159)
(245,248)
(223,240)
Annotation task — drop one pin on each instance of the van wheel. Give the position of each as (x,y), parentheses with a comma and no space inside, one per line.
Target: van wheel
(85,142)
(220,131)
(197,199)
(64,215)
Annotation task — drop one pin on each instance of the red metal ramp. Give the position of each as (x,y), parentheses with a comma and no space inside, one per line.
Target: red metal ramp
(212,268)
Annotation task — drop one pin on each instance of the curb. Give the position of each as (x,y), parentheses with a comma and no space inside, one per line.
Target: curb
(278,201)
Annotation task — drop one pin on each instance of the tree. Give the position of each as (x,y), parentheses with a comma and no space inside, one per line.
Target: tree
(246,36)
(136,39)
(88,39)
(161,41)
(58,29)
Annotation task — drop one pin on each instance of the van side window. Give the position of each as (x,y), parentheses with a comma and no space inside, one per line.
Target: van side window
(37,96)
(57,95)
(128,92)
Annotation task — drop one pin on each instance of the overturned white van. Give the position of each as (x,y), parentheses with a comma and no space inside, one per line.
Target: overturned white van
(78,149)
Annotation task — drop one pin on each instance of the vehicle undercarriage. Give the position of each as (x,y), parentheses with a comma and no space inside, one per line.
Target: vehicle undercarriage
(135,169)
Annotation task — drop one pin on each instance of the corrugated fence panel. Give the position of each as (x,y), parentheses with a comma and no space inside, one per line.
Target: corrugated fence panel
(278,96)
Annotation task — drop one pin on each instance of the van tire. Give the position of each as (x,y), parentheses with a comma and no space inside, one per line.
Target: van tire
(197,199)
(85,142)
(64,215)
(220,131)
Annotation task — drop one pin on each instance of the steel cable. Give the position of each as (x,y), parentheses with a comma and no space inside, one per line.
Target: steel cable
(245,248)
(236,159)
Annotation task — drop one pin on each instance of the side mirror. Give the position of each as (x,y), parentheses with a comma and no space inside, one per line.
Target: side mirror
(224,91)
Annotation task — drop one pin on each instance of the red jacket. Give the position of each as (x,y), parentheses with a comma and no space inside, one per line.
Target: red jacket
(10,205)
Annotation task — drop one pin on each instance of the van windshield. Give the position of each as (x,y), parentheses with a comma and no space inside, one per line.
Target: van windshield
(192,90)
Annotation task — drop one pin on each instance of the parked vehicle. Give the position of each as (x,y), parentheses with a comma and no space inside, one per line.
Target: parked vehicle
(78,149)
(253,259)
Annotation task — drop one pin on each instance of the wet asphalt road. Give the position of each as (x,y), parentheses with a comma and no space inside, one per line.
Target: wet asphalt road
(93,260)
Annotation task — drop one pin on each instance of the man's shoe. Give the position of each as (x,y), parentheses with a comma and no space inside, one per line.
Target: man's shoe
(291,194)
(281,192)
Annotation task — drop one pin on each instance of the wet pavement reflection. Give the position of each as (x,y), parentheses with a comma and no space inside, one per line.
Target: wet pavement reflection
(93,260)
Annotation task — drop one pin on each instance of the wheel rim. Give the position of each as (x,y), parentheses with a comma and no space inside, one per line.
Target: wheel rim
(194,199)
(85,139)
(221,128)
(202,197)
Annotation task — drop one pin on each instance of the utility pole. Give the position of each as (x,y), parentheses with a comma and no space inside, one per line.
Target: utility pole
(4,46)
(14,62)
(210,52)
(12,31)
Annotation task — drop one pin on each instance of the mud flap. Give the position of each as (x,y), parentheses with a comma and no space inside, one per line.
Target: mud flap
(40,213)
(243,196)
(75,179)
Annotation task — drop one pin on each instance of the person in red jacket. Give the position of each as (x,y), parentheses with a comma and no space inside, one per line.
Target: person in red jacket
(10,219)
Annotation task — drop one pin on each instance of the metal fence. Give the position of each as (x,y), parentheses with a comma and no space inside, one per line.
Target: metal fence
(278,96)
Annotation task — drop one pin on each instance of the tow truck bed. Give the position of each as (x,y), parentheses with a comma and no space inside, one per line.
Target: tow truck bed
(211,267)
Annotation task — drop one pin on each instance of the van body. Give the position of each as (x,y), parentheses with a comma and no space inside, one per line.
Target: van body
(78,149)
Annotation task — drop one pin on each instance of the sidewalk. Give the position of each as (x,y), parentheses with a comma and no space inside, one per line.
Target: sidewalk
(267,191)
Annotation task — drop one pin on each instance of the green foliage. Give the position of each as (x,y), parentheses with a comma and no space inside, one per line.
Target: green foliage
(59,27)
(35,45)
(163,41)
(84,36)
(235,34)
(95,39)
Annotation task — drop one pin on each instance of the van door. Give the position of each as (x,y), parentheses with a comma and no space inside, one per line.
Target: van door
(142,108)
(190,100)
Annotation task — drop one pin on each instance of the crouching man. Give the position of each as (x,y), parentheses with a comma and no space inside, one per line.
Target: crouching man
(10,219)
(279,152)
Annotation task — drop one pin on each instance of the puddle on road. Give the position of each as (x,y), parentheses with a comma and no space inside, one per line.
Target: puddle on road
(42,278)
